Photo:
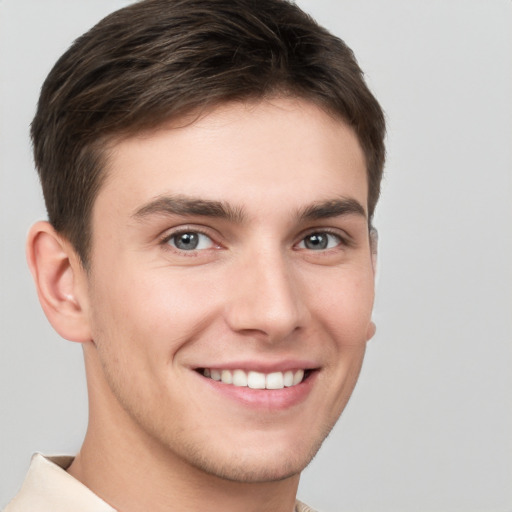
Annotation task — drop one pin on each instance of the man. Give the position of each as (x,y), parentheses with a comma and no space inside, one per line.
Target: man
(210,170)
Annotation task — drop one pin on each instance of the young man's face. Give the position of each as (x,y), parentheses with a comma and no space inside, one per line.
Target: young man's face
(236,245)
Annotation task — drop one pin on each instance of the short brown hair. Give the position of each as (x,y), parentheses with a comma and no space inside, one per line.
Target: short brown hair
(160,59)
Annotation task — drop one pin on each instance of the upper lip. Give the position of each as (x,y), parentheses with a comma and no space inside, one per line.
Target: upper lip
(262,366)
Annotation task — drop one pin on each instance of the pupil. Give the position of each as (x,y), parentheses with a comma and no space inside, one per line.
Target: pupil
(316,241)
(187,241)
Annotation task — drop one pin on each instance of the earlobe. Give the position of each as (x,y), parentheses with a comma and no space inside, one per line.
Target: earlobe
(60,282)
(370,333)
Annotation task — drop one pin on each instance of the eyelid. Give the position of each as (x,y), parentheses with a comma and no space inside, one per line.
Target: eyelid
(168,234)
(345,239)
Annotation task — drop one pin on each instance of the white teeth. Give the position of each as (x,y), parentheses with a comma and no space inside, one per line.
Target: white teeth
(256,380)
(297,377)
(288,379)
(226,377)
(275,380)
(240,378)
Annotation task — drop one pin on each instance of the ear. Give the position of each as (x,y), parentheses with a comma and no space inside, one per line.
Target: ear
(60,281)
(370,332)
(374,246)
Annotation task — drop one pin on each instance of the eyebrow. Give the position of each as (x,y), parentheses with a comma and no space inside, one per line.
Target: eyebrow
(183,205)
(332,208)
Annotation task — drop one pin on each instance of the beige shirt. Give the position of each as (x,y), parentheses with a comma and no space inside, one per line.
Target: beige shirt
(49,488)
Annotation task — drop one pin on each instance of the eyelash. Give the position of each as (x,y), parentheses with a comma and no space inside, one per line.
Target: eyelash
(164,241)
(344,241)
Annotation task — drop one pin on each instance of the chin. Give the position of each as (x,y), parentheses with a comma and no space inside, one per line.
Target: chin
(258,465)
(255,472)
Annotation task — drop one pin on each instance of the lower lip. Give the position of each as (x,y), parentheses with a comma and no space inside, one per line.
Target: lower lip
(265,399)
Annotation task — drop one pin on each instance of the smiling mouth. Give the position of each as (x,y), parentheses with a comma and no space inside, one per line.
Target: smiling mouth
(256,380)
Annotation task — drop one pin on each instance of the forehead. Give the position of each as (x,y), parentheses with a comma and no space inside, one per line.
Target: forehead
(253,153)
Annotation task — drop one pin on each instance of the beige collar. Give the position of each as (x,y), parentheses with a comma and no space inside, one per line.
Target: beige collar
(47,487)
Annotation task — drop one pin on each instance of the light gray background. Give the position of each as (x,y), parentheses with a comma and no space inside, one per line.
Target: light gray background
(430,425)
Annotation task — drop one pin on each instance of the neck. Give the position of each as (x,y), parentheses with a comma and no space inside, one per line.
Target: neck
(132,472)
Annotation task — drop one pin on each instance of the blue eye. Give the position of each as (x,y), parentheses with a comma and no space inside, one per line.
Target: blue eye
(190,241)
(320,241)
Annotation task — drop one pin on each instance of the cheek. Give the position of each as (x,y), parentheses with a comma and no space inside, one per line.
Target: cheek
(151,312)
(345,306)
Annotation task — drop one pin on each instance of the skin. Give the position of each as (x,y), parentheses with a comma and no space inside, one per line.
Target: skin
(255,294)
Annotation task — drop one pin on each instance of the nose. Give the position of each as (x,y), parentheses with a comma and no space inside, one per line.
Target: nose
(265,299)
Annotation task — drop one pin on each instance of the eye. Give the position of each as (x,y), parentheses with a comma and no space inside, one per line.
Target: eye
(190,241)
(320,241)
